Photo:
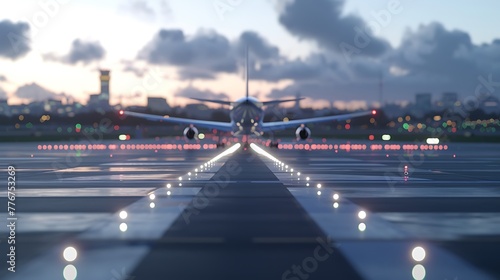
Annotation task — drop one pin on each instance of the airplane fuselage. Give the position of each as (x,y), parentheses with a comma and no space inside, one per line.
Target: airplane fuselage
(247,117)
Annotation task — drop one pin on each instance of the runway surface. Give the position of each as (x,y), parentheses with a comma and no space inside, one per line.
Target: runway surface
(361,210)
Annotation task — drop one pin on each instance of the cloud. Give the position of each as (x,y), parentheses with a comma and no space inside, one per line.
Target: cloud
(192,92)
(148,10)
(14,41)
(84,52)
(429,59)
(142,7)
(34,92)
(130,66)
(324,23)
(207,51)
(311,68)
(259,46)
(434,56)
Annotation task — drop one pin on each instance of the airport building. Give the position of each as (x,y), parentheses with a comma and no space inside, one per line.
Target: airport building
(101,100)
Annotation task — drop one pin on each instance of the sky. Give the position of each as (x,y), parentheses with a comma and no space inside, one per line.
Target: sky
(329,51)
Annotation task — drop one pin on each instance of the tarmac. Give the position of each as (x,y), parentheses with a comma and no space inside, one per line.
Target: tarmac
(322,210)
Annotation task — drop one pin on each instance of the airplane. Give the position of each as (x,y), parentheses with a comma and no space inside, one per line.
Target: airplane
(247,118)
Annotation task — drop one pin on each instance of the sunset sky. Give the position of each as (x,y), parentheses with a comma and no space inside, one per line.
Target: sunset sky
(328,50)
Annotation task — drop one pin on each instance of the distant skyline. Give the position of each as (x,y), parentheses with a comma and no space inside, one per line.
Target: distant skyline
(175,49)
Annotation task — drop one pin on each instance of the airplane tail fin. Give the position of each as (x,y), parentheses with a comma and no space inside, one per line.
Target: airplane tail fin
(246,73)
(273,102)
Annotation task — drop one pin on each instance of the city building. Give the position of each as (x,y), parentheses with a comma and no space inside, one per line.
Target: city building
(423,104)
(490,105)
(158,105)
(4,107)
(199,111)
(423,101)
(449,100)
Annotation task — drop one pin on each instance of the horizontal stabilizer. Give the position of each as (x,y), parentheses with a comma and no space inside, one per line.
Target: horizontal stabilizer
(273,102)
(212,101)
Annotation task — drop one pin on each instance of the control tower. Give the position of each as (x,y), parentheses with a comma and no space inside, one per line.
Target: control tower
(104,94)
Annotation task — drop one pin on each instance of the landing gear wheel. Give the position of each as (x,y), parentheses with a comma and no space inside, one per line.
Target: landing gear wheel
(221,145)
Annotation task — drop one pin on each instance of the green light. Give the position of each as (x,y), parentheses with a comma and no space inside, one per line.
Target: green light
(78,126)
(29,125)
(445,125)
(406,126)
(59,129)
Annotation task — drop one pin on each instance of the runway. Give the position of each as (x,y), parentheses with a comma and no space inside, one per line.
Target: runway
(340,210)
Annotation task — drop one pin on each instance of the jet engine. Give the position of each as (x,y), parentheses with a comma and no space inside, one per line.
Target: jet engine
(303,132)
(190,132)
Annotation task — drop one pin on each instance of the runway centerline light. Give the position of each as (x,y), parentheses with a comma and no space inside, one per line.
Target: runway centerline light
(336,205)
(336,196)
(362,215)
(307,178)
(70,272)
(152,196)
(418,254)
(123,227)
(362,227)
(152,205)
(418,272)
(70,254)
(318,186)
(169,186)
(123,214)
(318,193)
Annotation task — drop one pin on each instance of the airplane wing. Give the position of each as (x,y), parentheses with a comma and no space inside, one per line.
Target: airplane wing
(212,101)
(222,126)
(295,123)
(274,102)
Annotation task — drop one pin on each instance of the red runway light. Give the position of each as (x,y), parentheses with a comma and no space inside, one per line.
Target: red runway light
(374,112)
(121,112)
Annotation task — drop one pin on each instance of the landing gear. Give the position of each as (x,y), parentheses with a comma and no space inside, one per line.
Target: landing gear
(221,145)
(246,146)
(273,143)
